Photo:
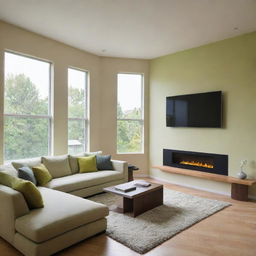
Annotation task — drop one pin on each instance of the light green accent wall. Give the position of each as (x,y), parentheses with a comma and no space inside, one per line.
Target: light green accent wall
(229,66)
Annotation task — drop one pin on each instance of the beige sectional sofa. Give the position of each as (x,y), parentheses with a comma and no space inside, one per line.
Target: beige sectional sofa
(86,184)
(65,219)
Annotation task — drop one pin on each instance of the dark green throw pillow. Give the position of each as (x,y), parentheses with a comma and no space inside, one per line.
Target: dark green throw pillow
(104,162)
(26,173)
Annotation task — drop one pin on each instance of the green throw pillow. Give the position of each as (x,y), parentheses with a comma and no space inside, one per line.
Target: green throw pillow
(30,192)
(7,179)
(87,164)
(42,174)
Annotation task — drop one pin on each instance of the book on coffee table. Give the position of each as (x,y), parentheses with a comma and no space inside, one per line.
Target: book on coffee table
(142,183)
(125,187)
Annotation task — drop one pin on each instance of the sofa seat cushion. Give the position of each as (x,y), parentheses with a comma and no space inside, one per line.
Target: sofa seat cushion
(62,212)
(83,180)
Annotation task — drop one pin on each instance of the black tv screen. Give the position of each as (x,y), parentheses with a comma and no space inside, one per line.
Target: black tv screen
(194,110)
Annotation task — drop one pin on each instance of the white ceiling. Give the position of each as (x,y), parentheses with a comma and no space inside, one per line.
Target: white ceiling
(133,28)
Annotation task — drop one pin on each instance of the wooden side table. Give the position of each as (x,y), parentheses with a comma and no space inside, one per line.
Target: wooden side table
(131,168)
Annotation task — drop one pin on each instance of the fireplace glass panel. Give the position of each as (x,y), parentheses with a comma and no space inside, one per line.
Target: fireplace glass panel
(193,160)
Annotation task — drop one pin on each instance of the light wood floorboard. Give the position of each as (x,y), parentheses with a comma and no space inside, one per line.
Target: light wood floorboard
(230,232)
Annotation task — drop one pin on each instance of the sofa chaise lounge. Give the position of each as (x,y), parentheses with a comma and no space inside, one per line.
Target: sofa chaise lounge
(65,219)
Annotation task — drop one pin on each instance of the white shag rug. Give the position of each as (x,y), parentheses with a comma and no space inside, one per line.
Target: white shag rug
(148,230)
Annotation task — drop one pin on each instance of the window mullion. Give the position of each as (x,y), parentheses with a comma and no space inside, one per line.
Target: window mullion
(130,119)
(27,116)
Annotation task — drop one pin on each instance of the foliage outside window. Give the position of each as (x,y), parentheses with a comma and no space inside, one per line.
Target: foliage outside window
(27,108)
(130,116)
(77,111)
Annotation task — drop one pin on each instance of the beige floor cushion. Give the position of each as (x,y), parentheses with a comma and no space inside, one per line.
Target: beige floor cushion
(83,180)
(62,212)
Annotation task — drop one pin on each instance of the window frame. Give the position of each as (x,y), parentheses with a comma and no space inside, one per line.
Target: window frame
(50,104)
(85,119)
(141,120)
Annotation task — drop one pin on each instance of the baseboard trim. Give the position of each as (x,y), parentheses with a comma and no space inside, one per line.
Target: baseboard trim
(190,186)
(141,176)
(252,197)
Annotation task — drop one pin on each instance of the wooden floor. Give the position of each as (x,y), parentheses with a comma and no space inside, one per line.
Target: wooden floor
(230,232)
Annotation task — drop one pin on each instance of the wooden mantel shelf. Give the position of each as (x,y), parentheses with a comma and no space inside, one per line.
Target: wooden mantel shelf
(239,187)
(205,175)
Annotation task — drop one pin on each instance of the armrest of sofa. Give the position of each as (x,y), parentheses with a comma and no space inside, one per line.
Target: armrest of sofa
(122,167)
(13,205)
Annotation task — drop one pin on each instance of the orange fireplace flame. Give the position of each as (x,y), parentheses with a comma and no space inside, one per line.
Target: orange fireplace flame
(197,164)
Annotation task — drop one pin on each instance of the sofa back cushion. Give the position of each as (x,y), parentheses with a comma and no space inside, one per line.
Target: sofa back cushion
(58,166)
(73,160)
(26,162)
(8,168)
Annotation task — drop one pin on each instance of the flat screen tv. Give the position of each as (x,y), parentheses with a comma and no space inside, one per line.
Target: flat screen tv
(194,110)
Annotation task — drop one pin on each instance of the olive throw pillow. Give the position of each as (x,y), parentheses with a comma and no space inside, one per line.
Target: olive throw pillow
(30,192)
(73,160)
(87,164)
(6,179)
(42,174)
(104,162)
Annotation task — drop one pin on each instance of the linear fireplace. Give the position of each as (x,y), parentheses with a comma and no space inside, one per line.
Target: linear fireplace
(205,162)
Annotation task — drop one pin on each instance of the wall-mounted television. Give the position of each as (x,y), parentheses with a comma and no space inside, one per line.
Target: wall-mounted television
(194,110)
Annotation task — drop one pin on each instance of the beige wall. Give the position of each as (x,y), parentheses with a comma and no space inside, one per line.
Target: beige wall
(62,56)
(229,66)
(110,67)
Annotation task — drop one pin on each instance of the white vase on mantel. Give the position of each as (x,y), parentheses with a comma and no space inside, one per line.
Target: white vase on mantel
(242,175)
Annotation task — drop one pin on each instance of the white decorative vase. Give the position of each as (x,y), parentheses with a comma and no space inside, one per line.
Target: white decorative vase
(242,175)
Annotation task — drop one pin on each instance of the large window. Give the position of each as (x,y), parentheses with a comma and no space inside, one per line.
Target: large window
(27,108)
(130,116)
(77,111)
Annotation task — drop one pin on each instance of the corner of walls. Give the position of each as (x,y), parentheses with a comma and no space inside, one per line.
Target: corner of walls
(109,68)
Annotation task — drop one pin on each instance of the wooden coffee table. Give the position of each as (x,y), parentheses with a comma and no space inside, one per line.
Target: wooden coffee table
(138,201)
